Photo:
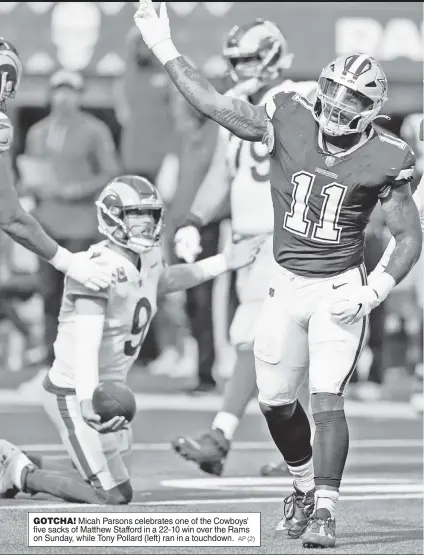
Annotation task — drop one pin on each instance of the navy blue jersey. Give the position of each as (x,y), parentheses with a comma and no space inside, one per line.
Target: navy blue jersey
(323,202)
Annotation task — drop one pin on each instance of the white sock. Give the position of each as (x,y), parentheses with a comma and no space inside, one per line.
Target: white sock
(326,499)
(226,422)
(303,476)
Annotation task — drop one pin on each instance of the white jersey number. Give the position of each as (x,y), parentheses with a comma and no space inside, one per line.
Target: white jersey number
(296,221)
(139,326)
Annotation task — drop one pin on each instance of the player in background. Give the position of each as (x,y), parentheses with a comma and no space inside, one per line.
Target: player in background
(99,338)
(257,55)
(16,222)
(329,169)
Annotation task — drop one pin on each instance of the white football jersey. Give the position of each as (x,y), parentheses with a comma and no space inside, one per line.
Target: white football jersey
(130,309)
(249,166)
(6,132)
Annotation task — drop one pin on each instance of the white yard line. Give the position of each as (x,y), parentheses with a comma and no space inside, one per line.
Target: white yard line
(241,445)
(28,398)
(183,502)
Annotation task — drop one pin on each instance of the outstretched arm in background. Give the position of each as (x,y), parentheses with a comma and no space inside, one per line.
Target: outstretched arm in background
(215,187)
(209,201)
(23,228)
(241,118)
(180,277)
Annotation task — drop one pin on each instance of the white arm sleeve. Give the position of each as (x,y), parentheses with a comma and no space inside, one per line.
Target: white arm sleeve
(88,337)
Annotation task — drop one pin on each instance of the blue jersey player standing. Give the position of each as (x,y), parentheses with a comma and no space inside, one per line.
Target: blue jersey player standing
(329,169)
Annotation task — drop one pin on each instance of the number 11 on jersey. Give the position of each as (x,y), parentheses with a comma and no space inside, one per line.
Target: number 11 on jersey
(327,229)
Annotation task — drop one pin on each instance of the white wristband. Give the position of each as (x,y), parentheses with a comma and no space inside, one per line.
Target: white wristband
(61,260)
(382,284)
(165,51)
(214,266)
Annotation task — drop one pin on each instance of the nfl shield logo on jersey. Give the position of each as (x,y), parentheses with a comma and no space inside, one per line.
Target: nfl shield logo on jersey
(329,161)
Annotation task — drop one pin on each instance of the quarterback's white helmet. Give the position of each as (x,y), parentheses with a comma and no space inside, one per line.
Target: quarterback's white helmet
(351,92)
(121,213)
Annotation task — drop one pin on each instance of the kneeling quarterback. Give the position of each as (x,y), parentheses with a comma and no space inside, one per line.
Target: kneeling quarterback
(99,337)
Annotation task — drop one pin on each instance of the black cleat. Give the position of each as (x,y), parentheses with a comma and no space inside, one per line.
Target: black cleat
(208,452)
(298,507)
(274,469)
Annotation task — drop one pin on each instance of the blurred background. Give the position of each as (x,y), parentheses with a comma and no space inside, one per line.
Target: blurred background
(127,118)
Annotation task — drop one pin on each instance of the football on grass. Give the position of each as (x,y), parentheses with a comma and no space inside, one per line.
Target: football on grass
(114,399)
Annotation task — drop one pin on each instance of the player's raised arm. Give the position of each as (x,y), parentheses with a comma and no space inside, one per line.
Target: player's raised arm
(241,118)
(179,277)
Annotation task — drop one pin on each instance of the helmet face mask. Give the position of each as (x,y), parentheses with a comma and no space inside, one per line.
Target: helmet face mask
(10,70)
(130,213)
(256,50)
(351,92)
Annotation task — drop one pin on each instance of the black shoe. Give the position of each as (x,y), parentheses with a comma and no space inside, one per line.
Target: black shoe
(274,469)
(209,451)
(297,509)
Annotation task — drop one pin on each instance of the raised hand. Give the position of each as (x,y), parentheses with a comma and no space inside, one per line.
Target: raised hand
(153,28)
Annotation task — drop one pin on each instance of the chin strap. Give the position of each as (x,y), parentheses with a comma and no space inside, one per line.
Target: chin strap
(383,117)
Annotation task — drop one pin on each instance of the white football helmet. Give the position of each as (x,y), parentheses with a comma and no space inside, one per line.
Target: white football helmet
(351,92)
(122,208)
(257,49)
(10,70)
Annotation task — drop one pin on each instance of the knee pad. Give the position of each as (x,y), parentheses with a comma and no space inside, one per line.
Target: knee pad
(280,412)
(326,402)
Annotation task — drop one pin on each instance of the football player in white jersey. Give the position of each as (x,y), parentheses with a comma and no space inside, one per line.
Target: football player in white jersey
(99,338)
(257,54)
(16,222)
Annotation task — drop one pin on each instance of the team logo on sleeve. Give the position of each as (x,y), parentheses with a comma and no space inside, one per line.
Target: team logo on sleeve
(269,138)
(122,276)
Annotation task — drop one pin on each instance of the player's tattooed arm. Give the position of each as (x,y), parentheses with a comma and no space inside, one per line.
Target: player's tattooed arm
(418,197)
(403,221)
(245,120)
